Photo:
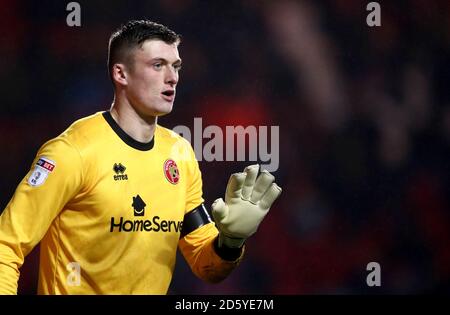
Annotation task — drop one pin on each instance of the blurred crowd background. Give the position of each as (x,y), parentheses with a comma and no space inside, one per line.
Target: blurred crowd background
(364,116)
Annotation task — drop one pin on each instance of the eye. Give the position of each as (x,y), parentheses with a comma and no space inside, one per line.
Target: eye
(177,67)
(157,66)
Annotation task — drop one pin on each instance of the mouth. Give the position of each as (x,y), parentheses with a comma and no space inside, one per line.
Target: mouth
(168,95)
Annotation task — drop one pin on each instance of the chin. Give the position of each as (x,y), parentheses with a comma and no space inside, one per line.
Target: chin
(164,110)
(156,110)
(162,113)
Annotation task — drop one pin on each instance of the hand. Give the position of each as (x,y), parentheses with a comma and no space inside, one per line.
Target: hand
(247,201)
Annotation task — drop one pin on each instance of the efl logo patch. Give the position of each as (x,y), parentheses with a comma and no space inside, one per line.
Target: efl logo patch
(41,171)
(171,171)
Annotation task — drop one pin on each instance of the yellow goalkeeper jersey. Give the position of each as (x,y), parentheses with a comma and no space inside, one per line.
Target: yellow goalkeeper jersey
(109,213)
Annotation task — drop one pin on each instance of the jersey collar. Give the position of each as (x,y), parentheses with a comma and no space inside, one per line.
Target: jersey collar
(142,146)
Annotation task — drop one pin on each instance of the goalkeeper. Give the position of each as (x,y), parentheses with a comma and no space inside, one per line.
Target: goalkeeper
(113,197)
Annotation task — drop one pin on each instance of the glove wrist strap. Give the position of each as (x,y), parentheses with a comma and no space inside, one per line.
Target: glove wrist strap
(226,253)
(230,242)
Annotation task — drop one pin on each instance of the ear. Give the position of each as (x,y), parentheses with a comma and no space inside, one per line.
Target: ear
(119,74)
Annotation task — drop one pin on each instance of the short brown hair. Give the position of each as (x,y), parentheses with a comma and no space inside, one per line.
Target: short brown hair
(133,34)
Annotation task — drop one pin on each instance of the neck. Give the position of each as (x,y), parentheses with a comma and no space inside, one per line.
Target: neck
(140,128)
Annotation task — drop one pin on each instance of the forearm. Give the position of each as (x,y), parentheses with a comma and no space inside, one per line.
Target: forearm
(207,261)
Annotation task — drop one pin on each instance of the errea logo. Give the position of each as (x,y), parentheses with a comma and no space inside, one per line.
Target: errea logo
(119,169)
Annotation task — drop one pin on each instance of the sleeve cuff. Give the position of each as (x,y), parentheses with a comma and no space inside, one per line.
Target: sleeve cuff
(227,253)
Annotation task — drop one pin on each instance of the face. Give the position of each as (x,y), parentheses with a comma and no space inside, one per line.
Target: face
(151,81)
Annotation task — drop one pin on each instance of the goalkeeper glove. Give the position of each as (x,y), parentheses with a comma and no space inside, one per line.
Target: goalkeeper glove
(247,201)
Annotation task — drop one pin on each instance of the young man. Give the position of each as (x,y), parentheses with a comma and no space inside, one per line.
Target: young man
(113,196)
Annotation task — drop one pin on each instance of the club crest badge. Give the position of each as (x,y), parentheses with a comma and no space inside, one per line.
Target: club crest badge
(41,171)
(171,171)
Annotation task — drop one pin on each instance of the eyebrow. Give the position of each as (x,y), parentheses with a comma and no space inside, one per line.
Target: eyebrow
(178,61)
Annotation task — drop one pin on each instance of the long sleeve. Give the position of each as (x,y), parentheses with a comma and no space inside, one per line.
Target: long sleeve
(200,252)
(198,247)
(55,177)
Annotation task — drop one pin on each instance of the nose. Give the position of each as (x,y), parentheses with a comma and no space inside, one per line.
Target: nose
(171,76)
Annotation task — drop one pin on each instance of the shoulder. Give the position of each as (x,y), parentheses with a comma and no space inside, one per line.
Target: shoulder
(77,136)
(177,146)
(171,137)
(84,131)
(85,126)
